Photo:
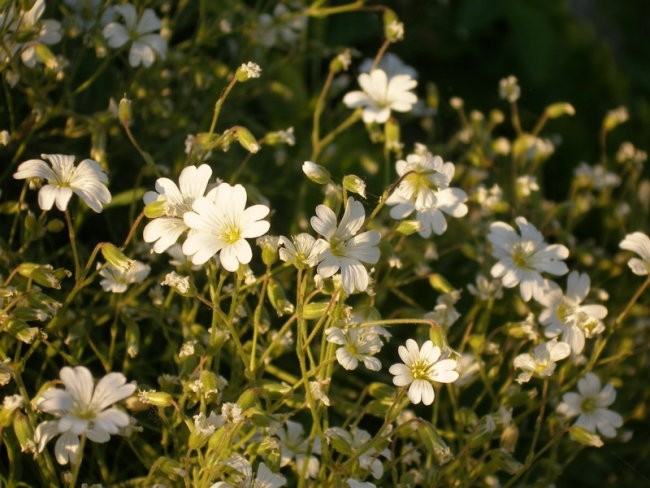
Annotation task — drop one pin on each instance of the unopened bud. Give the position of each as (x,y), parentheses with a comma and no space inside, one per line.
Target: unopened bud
(124,111)
(116,258)
(269,246)
(316,172)
(156,398)
(246,139)
(278,298)
(393,28)
(44,274)
(585,437)
(456,103)
(55,226)
(341,62)
(614,118)
(408,227)
(559,109)
(314,310)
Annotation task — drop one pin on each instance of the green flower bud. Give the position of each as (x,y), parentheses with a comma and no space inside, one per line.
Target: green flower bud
(246,139)
(248,71)
(314,310)
(316,173)
(124,111)
(585,437)
(278,298)
(155,209)
(408,227)
(116,258)
(559,109)
(156,398)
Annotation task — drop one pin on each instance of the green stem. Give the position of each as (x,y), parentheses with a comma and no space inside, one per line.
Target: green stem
(76,465)
(73,244)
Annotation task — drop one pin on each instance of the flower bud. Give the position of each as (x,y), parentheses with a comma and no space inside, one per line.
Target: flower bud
(585,437)
(614,118)
(314,310)
(156,398)
(116,258)
(504,461)
(44,275)
(246,139)
(278,299)
(316,172)
(181,284)
(408,227)
(55,226)
(124,111)
(354,184)
(269,246)
(23,431)
(341,62)
(393,28)
(559,109)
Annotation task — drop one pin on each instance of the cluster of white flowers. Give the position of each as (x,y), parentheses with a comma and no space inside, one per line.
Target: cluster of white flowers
(216,223)
(424,188)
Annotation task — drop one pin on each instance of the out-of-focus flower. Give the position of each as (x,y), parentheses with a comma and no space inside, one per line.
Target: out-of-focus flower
(117,280)
(509,89)
(294,446)
(523,258)
(421,367)
(346,251)
(639,243)
(380,95)
(590,406)
(485,288)
(145,46)
(542,362)
(264,478)
(220,223)
(87,180)
(82,408)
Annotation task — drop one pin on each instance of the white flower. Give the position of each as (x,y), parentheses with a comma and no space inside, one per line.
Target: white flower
(346,250)
(283,26)
(358,344)
(357,439)
(526,185)
(302,250)
(565,316)
(206,426)
(294,445)
(81,409)
(596,176)
(180,283)
(523,258)
(590,405)
(353,483)
(509,89)
(380,95)
(87,180)
(220,223)
(264,478)
(12,402)
(145,45)
(444,313)
(639,243)
(165,230)
(485,288)
(421,367)
(117,281)
(542,362)
(424,188)
(248,70)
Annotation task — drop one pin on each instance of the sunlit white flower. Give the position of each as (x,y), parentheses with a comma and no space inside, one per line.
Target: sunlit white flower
(590,405)
(180,283)
(165,230)
(87,180)
(302,250)
(523,258)
(220,223)
(424,188)
(206,426)
(248,71)
(117,281)
(357,344)
(542,362)
(264,477)
(380,95)
(639,243)
(346,250)
(357,439)
(564,315)
(444,313)
(145,46)
(490,199)
(82,408)
(294,446)
(12,402)
(420,368)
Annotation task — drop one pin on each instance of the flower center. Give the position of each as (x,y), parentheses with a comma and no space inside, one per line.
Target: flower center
(565,311)
(232,234)
(337,247)
(588,405)
(521,253)
(84,412)
(420,369)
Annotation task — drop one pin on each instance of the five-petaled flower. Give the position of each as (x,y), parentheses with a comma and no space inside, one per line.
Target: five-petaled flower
(522,259)
(421,367)
(541,362)
(380,95)
(590,405)
(346,250)
(87,180)
(82,409)
(146,45)
(220,223)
